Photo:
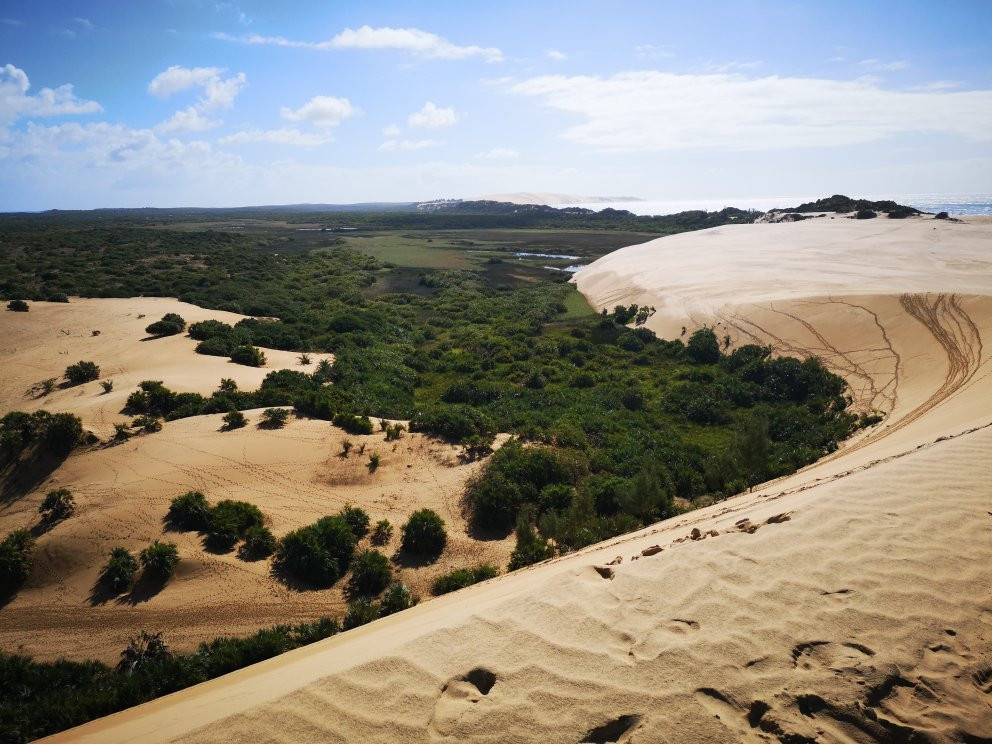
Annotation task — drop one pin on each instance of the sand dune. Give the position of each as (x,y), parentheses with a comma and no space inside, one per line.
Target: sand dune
(41,343)
(850,602)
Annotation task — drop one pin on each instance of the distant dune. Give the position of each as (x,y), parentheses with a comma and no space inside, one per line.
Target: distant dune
(849,602)
(554,200)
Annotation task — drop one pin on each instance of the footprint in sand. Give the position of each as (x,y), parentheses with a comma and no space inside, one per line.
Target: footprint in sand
(838,657)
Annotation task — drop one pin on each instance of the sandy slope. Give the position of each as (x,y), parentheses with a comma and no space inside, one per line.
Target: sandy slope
(849,602)
(295,475)
(42,342)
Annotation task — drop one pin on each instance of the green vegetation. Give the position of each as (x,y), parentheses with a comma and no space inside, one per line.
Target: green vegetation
(463,577)
(234,420)
(169,325)
(259,542)
(47,697)
(52,433)
(357,519)
(382,533)
(15,561)
(57,504)
(319,553)
(18,306)
(424,534)
(274,418)
(189,511)
(228,521)
(159,560)
(81,372)
(119,571)
(371,573)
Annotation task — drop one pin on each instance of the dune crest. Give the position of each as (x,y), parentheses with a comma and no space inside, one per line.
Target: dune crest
(847,602)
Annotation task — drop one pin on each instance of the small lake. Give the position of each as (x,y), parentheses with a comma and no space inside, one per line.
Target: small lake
(520,254)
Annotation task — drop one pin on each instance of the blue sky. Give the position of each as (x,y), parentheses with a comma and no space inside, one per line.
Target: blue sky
(190,103)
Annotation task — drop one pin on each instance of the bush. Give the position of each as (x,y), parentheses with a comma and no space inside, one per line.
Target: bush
(463,577)
(396,599)
(164,328)
(228,520)
(259,542)
(216,346)
(360,612)
(61,433)
(424,535)
(354,424)
(234,420)
(454,423)
(319,553)
(151,424)
(531,547)
(189,511)
(15,560)
(357,519)
(81,372)
(107,385)
(374,460)
(119,571)
(159,560)
(18,306)
(371,572)
(248,356)
(382,533)
(703,347)
(274,418)
(205,329)
(58,504)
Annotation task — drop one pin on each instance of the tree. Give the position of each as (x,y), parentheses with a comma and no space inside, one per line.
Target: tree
(159,560)
(531,547)
(119,571)
(58,504)
(424,535)
(751,449)
(371,572)
(81,372)
(650,495)
(61,432)
(227,385)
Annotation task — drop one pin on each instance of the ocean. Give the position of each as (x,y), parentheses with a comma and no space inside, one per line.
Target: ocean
(954,204)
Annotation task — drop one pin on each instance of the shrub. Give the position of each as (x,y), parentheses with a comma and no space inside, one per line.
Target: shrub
(205,329)
(216,346)
(18,306)
(228,520)
(396,598)
(248,356)
(371,572)
(81,372)
(360,612)
(346,446)
(144,649)
(15,560)
(58,504)
(164,328)
(119,571)
(394,432)
(374,462)
(455,423)
(382,533)
(121,431)
(357,519)
(259,543)
(424,535)
(159,559)
(703,348)
(61,432)
(234,420)
(531,547)
(107,385)
(189,511)
(227,385)
(274,418)
(47,386)
(304,359)
(318,553)
(151,424)
(354,424)
(463,577)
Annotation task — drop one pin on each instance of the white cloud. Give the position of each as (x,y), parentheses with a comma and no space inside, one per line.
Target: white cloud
(15,103)
(556,55)
(652,51)
(413,40)
(498,153)
(391,130)
(432,117)
(721,67)
(216,91)
(875,64)
(85,23)
(391,145)
(665,111)
(11,22)
(321,111)
(284,136)
(187,120)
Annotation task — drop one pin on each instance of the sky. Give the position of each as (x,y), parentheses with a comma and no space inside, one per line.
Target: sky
(195,103)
